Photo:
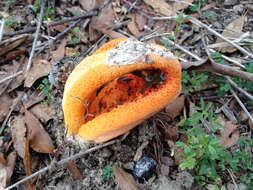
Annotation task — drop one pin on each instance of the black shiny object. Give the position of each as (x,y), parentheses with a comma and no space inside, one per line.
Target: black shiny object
(144,168)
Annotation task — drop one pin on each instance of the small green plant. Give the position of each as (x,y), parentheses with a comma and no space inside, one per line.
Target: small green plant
(192,82)
(49,12)
(1,130)
(13,24)
(108,173)
(74,38)
(204,154)
(197,5)
(46,90)
(210,15)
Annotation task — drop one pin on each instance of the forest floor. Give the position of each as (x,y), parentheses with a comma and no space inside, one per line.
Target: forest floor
(202,140)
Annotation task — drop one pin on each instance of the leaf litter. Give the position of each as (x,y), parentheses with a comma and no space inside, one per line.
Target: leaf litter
(138,21)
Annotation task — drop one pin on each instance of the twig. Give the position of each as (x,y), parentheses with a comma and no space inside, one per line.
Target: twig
(229,59)
(11,77)
(180,47)
(66,20)
(238,88)
(64,161)
(36,35)
(199,23)
(10,40)
(242,105)
(233,179)
(225,69)
(53,23)
(2,29)
(59,35)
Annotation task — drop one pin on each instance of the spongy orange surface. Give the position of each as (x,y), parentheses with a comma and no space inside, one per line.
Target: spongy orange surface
(92,73)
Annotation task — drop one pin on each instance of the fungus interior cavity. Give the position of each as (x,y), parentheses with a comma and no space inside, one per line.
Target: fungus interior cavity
(126,88)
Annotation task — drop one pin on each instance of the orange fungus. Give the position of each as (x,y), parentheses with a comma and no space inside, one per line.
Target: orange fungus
(123,83)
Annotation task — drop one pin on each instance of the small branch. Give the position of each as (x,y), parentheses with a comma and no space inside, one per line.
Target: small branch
(11,77)
(229,59)
(242,105)
(233,179)
(64,161)
(2,29)
(225,69)
(238,88)
(36,35)
(199,23)
(53,23)
(59,35)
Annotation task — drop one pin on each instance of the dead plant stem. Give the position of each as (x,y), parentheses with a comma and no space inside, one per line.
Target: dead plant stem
(64,161)
(36,35)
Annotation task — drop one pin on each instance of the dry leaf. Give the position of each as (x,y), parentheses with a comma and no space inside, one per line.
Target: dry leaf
(177,6)
(43,112)
(112,34)
(104,20)
(172,132)
(250,122)
(6,170)
(132,27)
(74,170)
(39,69)
(229,135)
(60,52)
(233,30)
(33,99)
(6,102)
(6,48)
(124,179)
(38,137)
(140,21)
(161,6)
(88,5)
(173,109)
(18,131)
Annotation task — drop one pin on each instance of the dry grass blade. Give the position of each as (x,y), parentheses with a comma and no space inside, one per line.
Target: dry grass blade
(125,180)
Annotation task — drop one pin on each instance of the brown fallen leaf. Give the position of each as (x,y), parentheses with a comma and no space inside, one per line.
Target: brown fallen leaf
(6,102)
(140,21)
(173,109)
(229,135)
(39,69)
(105,20)
(39,139)
(34,98)
(88,5)
(60,52)
(124,179)
(233,30)
(8,47)
(43,112)
(6,170)
(177,6)
(18,131)
(161,6)
(132,27)
(74,170)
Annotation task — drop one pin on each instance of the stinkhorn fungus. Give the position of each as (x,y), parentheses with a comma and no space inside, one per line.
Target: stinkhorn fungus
(116,88)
